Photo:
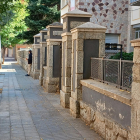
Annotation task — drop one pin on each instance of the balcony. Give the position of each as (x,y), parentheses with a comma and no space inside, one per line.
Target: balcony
(135,2)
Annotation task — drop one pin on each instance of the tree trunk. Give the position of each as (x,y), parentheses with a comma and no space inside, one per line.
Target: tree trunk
(3,54)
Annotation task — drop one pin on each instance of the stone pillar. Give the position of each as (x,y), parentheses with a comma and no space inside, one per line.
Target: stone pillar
(71,20)
(54,41)
(135,92)
(36,57)
(88,40)
(43,54)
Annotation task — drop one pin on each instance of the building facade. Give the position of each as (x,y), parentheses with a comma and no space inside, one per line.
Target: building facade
(113,14)
(135,19)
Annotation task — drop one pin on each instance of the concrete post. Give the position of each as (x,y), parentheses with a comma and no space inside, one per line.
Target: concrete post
(43,47)
(70,20)
(86,38)
(135,92)
(54,41)
(36,46)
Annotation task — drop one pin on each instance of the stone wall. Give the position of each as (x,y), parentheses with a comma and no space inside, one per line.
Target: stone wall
(35,57)
(114,15)
(109,113)
(21,59)
(105,127)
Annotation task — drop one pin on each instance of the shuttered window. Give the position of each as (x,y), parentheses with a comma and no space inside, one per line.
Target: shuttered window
(112,38)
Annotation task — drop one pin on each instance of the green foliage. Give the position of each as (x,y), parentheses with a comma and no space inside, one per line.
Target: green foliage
(125,56)
(5,5)
(41,13)
(14,25)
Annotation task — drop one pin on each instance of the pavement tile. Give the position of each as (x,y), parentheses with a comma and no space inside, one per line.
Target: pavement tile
(27,112)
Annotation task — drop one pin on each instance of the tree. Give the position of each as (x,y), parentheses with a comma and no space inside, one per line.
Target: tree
(13,27)
(41,14)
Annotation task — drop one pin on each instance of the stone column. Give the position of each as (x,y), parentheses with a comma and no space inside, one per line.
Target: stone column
(43,45)
(86,38)
(32,68)
(52,82)
(70,20)
(36,46)
(135,92)
(53,70)
(36,70)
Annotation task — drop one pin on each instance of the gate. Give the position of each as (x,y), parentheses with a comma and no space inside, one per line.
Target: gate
(57,57)
(91,49)
(38,59)
(45,58)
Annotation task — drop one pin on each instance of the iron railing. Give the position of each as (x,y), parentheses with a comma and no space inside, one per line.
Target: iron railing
(110,71)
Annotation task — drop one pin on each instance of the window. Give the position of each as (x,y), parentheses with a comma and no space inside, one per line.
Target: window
(63,3)
(112,38)
(137,34)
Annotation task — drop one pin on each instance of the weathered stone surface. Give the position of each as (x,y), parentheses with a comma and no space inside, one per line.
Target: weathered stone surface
(106,127)
(68,81)
(74,108)
(79,62)
(78,78)
(81,35)
(85,112)
(109,124)
(135,91)
(135,108)
(99,127)
(67,57)
(68,72)
(136,72)
(108,90)
(74,24)
(136,58)
(79,45)
(65,99)
(66,67)
(109,134)
(121,138)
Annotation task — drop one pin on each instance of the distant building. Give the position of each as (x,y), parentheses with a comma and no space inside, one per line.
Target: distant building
(113,14)
(135,19)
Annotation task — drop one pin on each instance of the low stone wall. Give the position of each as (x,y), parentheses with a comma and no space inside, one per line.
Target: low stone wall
(107,110)
(21,59)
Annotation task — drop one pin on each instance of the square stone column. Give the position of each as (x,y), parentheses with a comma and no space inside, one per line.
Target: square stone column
(52,80)
(88,40)
(52,75)
(43,54)
(36,69)
(135,92)
(36,57)
(71,20)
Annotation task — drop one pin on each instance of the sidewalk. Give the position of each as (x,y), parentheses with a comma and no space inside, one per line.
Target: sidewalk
(27,112)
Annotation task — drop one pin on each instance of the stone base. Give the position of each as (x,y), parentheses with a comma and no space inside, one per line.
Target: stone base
(105,127)
(36,75)
(74,108)
(44,82)
(50,88)
(64,99)
(40,81)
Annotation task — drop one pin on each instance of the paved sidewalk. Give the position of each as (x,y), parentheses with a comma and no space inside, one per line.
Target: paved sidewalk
(27,112)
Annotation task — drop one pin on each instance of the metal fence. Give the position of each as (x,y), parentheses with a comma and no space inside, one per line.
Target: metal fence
(117,72)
